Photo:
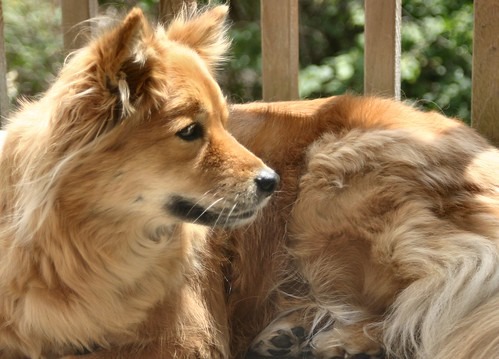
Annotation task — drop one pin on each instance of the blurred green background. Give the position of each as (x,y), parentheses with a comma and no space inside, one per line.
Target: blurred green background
(436,49)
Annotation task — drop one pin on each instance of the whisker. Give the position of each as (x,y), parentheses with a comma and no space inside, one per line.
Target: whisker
(231,210)
(207,208)
(219,215)
(201,198)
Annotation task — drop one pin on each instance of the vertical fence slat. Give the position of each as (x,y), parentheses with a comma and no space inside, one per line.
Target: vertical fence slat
(169,8)
(382,47)
(279,20)
(4,98)
(74,12)
(485,71)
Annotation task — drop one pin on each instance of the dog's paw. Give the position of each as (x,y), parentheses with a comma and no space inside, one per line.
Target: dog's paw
(289,338)
(283,343)
(284,338)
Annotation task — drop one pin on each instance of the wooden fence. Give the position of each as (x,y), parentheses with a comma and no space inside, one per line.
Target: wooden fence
(279,23)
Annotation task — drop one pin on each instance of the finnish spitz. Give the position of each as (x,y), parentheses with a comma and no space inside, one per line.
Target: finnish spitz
(382,240)
(108,185)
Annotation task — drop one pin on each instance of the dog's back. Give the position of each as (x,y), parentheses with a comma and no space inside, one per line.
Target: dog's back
(390,224)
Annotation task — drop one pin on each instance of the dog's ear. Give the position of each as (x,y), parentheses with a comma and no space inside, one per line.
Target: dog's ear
(107,81)
(122,57)
(205,32)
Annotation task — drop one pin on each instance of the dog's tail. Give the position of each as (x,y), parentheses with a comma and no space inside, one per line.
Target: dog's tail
(476,336)
(452,313)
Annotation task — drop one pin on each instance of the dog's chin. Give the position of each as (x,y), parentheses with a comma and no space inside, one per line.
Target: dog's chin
(189,211)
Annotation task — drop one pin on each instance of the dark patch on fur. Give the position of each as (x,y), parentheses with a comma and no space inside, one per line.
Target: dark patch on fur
(189,211)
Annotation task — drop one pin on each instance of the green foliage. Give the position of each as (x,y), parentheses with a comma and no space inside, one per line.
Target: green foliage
(436,54)
(33,45)
(241,79)
(332,63)
(327,25)
(436,49)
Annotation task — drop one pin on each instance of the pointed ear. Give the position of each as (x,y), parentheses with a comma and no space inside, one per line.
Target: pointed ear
(204,32)
(122,56)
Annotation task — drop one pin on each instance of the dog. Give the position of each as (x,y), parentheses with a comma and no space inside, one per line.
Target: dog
(121,191)
(110,184)
(382,240)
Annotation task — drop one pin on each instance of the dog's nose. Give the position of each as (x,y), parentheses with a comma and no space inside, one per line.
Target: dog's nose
(267,181)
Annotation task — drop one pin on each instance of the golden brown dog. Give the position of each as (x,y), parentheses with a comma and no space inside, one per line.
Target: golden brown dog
(384,234)
(105,185)
(382,237)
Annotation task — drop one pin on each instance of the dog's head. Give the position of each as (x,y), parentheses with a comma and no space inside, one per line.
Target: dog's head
(135,128)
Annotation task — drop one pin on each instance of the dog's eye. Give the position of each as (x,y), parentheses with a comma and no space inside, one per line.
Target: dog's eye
(191,132)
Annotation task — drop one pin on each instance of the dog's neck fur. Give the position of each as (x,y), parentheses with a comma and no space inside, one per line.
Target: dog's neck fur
(109,273)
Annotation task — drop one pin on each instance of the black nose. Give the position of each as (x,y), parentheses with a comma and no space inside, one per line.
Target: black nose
(267,181)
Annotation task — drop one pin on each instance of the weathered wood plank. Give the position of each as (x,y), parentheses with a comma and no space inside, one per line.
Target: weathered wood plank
(4,97)
(170,8)
(382,47)
(485,70)
(279,22)
(74,12)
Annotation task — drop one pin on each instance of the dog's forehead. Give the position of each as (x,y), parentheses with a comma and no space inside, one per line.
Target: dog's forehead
(216,107)
(200,85)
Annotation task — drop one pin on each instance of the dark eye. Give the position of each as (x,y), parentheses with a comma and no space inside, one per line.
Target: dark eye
(191,132)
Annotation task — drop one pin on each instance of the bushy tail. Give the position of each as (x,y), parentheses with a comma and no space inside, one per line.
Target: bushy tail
(451,314)
(476,336)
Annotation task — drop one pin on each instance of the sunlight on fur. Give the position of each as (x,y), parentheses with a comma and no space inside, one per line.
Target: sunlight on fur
(382,242)
(141,217)
(109,186)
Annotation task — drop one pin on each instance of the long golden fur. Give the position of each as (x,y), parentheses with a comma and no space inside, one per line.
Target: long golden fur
(383,237)
(107,184)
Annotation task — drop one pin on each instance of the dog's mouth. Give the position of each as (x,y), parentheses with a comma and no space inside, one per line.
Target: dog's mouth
(190,211)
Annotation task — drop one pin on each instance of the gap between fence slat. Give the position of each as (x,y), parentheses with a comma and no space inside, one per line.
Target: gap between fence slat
(485,71)
(279,24)
(382,47)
